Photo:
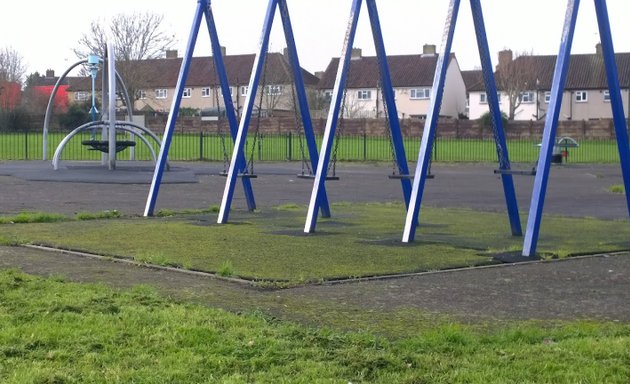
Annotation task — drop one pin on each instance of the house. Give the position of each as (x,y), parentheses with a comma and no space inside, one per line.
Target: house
(412,79)
(10,95)
(41,87)
(154,81)
(585,96)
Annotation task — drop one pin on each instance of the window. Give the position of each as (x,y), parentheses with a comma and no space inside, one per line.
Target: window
(142,94)
(244,89)
(81,96)
(581,96)
(364,94)
(527,97)
(187,93)
(547,97)
(205,92)
(328,95)
(483,98)
(420,93)
(231,94)
(274,90)
(607,96)
(161,93)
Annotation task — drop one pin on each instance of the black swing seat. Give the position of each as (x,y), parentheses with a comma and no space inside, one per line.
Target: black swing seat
(531,172)
(103,145)
(242,175)
(396,176)
(311,176)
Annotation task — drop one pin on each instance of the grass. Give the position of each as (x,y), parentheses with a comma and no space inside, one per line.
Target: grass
(53,331)
(192,146)
(359,240)
(617,188)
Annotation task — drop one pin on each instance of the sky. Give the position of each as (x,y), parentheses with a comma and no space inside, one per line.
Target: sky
(44,32)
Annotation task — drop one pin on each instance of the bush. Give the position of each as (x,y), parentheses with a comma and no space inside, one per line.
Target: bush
(486,119)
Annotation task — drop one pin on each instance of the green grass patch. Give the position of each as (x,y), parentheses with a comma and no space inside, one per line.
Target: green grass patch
(617,188)
(113,214)
(359,240)
(32,217)
(53,331)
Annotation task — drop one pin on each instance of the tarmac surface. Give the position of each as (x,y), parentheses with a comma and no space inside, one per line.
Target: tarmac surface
(578,288)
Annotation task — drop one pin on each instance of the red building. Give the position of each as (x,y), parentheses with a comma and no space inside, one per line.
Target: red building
(10,95)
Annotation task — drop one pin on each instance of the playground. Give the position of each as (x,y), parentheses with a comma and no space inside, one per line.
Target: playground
(403,277)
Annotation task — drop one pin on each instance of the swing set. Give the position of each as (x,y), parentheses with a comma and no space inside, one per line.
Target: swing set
(320,163)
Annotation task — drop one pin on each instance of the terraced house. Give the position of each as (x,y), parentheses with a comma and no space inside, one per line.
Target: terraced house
(586,95)
(154,82)
(412,80)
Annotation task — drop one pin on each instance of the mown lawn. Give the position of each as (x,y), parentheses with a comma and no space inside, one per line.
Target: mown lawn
(53,331)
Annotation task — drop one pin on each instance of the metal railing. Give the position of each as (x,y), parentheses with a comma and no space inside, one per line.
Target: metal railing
(288,147)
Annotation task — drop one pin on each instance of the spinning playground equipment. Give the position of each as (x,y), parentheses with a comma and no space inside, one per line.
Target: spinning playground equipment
(108,144)
(238,163)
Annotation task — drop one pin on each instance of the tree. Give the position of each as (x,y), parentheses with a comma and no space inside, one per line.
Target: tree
(12,67)
(514,77)
(135,37)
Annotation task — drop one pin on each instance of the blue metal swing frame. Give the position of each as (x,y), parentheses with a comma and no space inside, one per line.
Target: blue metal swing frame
(203,9)
(551,123)
(241,135)
(437,92)
(337,96)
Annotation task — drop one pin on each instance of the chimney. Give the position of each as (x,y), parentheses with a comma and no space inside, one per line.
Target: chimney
(505,58)
(598,49)
(50,73)
(429,50)
(171,53)
(319,74)
(356,54)
(223,51)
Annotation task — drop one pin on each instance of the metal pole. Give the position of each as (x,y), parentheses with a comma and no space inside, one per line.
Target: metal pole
(111,73)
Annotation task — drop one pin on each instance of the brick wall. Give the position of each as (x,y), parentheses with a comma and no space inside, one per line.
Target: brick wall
(472,129)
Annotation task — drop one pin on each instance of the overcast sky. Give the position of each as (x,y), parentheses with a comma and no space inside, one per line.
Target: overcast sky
(44,32)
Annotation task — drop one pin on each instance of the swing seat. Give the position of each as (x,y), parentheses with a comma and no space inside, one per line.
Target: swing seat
(531,172)
(241,175)
(103,145)
(311,176)
(407,177)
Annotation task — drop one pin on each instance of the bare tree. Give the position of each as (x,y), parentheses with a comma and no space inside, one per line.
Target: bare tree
(515,76)
(135,37)
(12,67)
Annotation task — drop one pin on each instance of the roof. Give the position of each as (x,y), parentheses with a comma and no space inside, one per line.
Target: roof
(586,71)
(165,72)
(405,71)
(473,80)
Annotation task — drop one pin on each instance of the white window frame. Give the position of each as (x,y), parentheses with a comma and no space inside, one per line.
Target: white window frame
(581,96)
(161,93)
(187,94)
(527,97)
(221,90)
(483,97)
(273,90)
(547,97)
(244,89)
(142,94)
(420,93)
(82,96)
(364,94)
(607,96)
(206,92)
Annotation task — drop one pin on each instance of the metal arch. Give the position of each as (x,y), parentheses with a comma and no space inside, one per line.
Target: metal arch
(51,102)
(122,125)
